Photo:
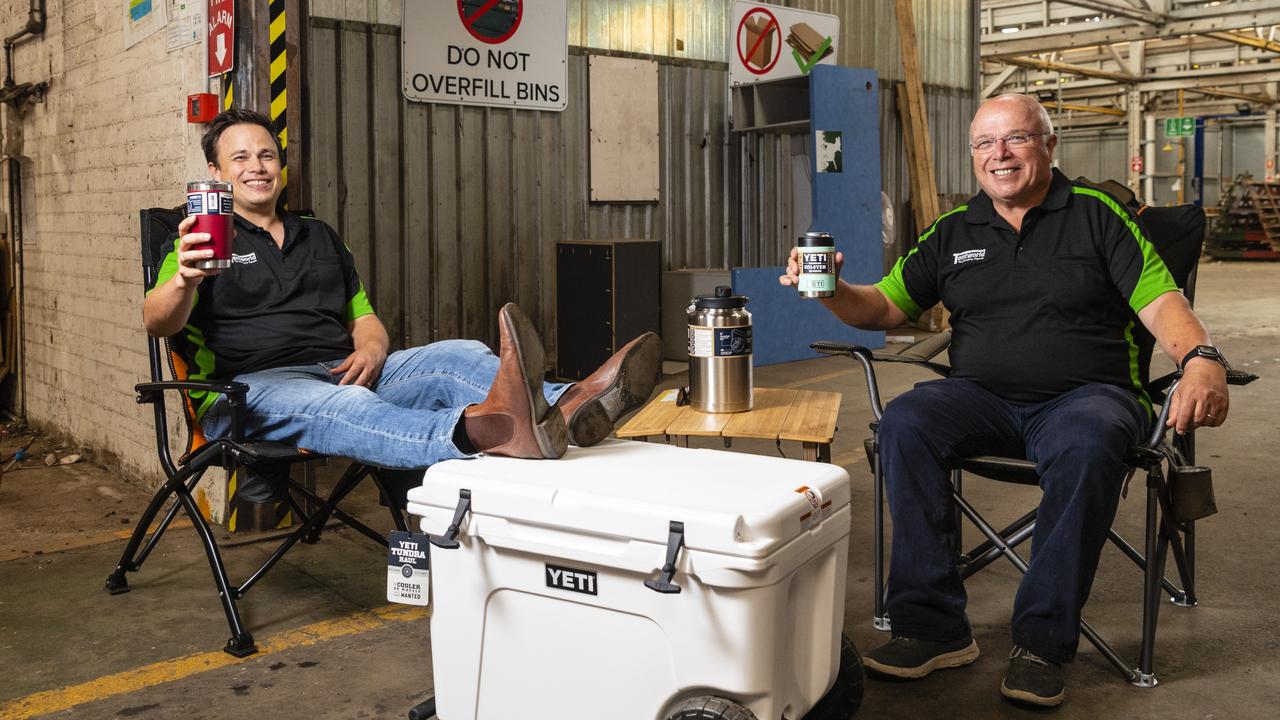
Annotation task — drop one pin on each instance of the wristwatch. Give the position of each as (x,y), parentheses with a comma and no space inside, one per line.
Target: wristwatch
(1205,351)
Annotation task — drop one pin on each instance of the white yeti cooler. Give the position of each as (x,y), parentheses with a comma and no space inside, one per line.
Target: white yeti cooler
(543,611)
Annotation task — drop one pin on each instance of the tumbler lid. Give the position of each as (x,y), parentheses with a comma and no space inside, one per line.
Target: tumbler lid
(817,239)
(723,299)
(208,186)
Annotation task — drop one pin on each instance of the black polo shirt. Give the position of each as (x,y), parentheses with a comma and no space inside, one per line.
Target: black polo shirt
(1039,312)
(274,307)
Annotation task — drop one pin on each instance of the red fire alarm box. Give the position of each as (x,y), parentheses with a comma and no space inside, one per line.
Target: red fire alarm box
(201,107)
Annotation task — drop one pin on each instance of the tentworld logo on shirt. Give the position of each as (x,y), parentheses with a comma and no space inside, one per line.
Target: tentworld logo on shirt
(244,259)
(968,256)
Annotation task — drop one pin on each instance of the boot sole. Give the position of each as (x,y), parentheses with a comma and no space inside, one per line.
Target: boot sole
(958,658)
(551,433)
(1023,696)
(594,420)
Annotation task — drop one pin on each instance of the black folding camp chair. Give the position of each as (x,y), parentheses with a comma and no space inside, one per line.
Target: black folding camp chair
(234,452)
(1176,498)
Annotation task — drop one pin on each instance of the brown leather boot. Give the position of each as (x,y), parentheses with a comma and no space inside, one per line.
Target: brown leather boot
(620,385)
(514,419)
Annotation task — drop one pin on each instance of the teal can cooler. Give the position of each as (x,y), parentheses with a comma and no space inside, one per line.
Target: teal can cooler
(817,251)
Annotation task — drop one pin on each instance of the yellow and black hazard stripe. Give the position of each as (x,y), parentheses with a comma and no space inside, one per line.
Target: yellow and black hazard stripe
(247,515)
(279,92)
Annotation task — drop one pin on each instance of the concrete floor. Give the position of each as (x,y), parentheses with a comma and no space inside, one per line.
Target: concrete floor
(333,648)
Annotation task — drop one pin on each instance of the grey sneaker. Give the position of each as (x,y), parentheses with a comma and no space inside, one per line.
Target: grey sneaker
(1033,680)
(911,658)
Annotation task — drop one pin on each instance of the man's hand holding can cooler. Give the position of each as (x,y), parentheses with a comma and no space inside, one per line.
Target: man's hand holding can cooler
(817,265)
(210,203)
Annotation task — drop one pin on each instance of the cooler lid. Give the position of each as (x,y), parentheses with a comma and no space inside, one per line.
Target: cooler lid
(730,503)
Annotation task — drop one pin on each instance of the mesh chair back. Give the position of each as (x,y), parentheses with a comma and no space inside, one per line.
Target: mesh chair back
(158,225)
(1178,235)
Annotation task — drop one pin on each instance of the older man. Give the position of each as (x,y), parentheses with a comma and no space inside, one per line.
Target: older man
(1044,279)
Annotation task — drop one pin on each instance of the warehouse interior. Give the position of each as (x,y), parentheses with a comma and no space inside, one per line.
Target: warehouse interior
(663,149)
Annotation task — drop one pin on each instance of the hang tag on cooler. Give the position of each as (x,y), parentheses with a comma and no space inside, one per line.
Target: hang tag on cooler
(408,568)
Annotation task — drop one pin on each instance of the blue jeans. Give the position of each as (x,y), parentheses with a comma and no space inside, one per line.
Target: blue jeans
(405,421)
(1078,441)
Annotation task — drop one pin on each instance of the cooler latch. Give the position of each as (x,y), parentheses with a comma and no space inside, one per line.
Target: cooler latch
(675,541)
(449,541)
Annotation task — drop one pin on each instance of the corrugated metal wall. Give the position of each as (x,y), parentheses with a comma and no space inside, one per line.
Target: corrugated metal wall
(452,210)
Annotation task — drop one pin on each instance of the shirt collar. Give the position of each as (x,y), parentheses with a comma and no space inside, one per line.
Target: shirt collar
(293,226)
(981,210)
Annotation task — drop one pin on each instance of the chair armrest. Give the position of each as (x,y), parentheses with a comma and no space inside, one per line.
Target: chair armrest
(149,392)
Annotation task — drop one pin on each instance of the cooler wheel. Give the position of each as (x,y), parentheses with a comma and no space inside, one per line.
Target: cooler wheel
(845,696)
(707,707)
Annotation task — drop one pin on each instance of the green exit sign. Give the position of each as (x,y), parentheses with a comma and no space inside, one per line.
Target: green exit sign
(1179,127)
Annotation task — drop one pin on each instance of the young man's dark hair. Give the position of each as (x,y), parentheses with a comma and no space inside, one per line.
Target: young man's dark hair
(227,118)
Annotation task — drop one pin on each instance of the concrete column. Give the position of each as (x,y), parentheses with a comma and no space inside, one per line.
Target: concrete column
(1134,105)
(1149,166)
(1269,146)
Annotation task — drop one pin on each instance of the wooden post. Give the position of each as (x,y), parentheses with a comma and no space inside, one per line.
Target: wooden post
(915,125)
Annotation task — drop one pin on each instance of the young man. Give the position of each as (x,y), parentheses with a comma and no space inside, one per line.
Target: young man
(290,319)
(1043,279)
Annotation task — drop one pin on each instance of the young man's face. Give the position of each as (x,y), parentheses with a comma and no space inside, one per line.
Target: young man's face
(248,159)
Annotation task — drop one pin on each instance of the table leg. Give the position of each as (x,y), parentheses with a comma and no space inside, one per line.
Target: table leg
(824,453)
(682,441)
(810,451)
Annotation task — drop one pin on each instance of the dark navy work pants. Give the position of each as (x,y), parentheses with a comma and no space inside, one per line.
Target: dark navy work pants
(1078,442)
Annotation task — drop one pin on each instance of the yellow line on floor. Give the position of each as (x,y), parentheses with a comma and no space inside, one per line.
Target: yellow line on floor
(51,701)
(59,543)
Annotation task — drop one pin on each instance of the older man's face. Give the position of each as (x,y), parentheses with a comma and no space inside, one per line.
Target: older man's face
(1012,175)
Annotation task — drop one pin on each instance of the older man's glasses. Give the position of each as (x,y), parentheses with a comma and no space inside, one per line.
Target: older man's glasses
(986,145)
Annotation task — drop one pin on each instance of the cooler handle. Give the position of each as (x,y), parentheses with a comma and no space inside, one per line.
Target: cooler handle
(449,541)
(675,541)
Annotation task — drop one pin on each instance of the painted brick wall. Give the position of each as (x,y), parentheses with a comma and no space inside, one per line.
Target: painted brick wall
(110,138)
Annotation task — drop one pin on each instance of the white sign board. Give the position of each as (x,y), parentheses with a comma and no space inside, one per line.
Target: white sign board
(500,53)
(772,42)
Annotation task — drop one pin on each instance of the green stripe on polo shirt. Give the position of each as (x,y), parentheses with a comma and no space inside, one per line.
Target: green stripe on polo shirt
(1155,279)
(1135,376)
(168,268)
(358,305)
(893,286)
(205,361)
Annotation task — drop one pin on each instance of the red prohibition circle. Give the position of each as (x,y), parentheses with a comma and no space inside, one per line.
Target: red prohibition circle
(469,21)
(770,27)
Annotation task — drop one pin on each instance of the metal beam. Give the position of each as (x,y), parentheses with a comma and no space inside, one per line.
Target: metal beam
(1190,21)
(1069,68)
(1246,39)
(1082,108)
(1219,92)
(1213,77)
(999,81)
(1145,16)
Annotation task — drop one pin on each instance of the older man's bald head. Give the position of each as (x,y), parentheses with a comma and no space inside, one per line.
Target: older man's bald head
(1008,100)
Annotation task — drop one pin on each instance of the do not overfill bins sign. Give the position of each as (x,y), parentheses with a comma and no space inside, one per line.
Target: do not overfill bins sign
(500,53)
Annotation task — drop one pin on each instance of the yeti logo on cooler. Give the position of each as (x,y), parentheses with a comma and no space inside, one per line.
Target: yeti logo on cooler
(563,578)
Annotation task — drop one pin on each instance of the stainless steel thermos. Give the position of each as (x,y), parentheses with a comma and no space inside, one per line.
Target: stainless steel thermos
(817,252)
(719,352)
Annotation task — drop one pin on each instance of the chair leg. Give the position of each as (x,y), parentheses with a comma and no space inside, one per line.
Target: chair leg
(881,620)
(957,485)
(241,642)
(117,582)
(353,475)
(1152,574)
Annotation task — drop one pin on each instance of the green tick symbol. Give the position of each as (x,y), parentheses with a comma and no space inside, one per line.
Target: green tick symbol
(806,66)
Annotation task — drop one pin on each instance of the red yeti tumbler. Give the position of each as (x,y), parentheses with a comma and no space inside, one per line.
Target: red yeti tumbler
(209,202)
